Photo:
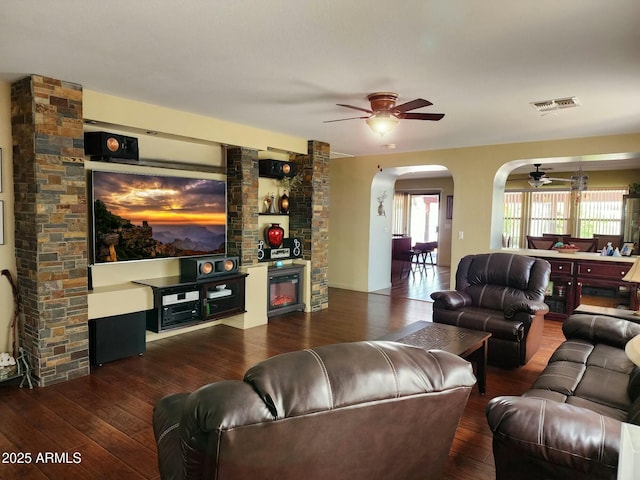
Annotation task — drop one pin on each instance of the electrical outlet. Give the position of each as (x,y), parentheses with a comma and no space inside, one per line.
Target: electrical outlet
(460,235)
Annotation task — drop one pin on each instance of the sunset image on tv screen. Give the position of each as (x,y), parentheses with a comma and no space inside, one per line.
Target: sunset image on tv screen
(140,216)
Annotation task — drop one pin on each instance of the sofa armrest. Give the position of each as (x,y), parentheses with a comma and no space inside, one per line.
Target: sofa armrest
(452,299)
(532,308)
(209,410)
(561,440)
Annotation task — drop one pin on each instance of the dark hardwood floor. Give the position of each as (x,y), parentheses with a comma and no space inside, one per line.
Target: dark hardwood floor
(106,417)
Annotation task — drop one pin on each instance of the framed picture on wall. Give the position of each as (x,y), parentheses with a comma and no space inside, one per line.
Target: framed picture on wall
(0,170)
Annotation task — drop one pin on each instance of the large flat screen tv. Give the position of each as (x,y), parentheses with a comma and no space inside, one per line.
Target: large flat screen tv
(144,216)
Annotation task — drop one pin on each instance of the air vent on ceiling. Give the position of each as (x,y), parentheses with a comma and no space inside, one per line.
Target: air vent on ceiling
(557,104)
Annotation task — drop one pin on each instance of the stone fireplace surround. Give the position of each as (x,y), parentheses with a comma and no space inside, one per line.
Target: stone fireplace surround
(51,222)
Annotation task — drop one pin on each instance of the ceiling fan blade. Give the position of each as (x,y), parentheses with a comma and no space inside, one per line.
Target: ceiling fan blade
(355,108)
(412,105)
(421,116)
(343,119)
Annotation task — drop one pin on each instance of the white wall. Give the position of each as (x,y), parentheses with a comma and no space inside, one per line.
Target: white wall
(380,231)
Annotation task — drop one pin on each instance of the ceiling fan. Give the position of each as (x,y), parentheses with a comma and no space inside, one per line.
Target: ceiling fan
(538,179)
(384,114)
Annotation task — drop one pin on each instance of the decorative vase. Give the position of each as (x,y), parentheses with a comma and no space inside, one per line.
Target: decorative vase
(272,204)
(284,203)
(274,235)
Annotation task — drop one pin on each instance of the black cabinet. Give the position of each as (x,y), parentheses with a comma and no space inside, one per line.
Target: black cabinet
(179,304)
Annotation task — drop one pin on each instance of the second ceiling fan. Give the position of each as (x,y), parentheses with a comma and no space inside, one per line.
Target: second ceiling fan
(384,114)
(538,179)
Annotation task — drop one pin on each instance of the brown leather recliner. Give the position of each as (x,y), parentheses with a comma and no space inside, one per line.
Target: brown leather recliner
(503,294)
(358,410)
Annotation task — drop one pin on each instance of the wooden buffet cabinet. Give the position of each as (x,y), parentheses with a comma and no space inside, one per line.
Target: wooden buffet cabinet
(586,279)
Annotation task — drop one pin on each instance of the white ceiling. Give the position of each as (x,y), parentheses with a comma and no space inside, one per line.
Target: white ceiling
(282,65)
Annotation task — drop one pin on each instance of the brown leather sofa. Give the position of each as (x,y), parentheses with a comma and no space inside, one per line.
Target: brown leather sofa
(568,424)
(501,293)
(357,410)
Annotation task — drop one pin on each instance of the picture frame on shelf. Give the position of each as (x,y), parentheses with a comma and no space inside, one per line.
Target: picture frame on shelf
(627,249)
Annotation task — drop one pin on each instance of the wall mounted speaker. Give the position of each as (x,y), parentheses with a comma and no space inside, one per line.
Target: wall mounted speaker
(104,145)
(276,168)
(199,268)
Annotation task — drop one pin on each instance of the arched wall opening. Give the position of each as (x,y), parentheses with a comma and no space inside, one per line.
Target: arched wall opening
(419,179)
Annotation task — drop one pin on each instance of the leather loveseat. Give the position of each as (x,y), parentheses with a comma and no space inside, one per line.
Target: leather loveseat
(500,293)
(568,424)
(353,411)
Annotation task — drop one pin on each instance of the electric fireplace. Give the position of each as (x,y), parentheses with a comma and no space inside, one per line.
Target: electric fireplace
(284,292)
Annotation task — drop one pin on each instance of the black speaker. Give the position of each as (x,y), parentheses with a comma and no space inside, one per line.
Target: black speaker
(291,248)
(104,145)
(276,168)
(116,337)
(199,268)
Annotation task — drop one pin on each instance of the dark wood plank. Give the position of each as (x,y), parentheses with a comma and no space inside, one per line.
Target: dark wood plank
(107,416)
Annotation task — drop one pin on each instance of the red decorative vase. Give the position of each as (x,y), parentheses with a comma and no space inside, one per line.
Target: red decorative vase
(275,235)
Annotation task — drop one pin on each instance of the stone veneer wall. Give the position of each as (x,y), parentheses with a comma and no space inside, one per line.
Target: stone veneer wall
(51,226)
(242,205)
(309,218)
(51,222)
(308,215)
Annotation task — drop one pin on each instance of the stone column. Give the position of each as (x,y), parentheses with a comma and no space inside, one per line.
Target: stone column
(51,226)
(309,218)
(242,204)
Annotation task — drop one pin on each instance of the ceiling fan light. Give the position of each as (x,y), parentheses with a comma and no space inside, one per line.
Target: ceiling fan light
(382,122)
(537,183)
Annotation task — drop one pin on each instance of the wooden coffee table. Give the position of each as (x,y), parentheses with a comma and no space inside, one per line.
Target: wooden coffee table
(472,345)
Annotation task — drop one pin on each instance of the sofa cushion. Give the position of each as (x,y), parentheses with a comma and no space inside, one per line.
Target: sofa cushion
(611,358)
(606,410)
(576,351)
(604,386)
(562,377)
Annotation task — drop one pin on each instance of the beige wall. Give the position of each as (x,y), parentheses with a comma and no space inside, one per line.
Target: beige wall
(479,175)
(7,256)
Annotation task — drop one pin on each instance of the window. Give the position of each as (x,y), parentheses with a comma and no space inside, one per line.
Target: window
(600,212)
(512,218)
(579,214)
(549,212)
